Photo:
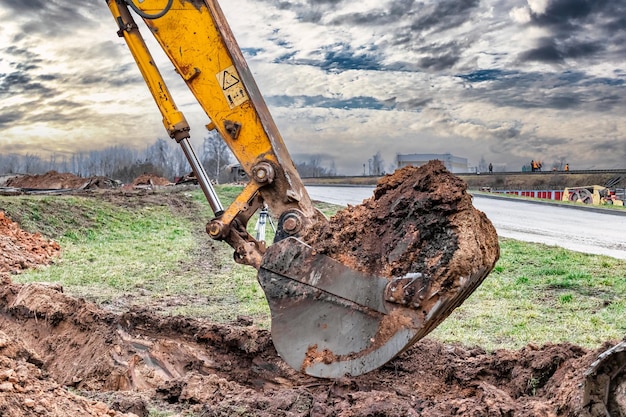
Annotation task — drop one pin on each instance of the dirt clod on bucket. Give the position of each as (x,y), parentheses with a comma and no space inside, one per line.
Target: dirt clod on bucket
(419,221)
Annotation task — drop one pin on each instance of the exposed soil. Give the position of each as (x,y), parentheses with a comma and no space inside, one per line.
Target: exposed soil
(53,180)
(50,341)
(20,249)
(150,180)
(54,347)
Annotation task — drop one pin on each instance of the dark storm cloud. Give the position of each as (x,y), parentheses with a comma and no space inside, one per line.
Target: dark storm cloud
(444,15)
(8,117)
(565,90)
(409,25)
(550,50)
(23,79)
(21,6)
(53,18)
(438,57)
(18,53)
(569,23)
(22,83)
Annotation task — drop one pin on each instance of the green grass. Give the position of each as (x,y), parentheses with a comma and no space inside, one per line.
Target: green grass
(540,294)
(129,251)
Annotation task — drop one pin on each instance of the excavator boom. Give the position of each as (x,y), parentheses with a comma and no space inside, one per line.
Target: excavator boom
(328,319)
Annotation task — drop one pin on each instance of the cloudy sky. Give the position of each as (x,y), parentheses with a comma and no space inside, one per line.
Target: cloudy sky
(505,81)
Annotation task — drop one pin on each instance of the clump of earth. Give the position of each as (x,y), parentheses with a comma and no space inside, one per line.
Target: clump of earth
(20,249)
(61,356)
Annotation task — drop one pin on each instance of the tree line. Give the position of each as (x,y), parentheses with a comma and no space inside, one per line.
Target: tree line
(163,158)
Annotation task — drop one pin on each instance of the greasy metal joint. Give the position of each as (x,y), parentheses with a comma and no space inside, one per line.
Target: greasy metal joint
(125,27)
(290,223)
(408,290)
(263,173)
(216,229)
(179,131)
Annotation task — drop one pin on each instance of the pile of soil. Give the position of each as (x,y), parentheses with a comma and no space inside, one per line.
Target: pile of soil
(26,389)
(51,340)
(419,220)
(149,180)
(20,249)
(53,180)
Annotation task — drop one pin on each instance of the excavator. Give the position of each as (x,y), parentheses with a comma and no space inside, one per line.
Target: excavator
(328,319)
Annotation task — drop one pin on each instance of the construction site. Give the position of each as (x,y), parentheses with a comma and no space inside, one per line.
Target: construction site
(156,298)
(65,356)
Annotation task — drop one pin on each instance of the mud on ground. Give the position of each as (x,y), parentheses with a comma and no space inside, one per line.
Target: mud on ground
(49,341)
(61,356)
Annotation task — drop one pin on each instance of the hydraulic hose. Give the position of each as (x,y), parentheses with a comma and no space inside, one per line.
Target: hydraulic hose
(145,15)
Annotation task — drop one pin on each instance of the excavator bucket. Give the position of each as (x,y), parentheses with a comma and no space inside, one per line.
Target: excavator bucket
(330,319)
(604,388)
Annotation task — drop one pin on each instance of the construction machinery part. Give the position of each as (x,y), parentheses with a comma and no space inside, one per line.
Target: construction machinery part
(331,321)
(604,392)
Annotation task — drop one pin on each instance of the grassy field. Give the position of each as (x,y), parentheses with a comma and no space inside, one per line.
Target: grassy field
(151,250)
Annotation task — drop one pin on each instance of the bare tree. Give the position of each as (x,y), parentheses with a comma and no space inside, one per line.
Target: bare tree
(215,155)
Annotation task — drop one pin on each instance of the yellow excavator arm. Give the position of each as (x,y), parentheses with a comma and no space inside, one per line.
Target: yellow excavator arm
(198,41)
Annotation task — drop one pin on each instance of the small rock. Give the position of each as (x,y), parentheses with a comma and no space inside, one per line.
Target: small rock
(6,387)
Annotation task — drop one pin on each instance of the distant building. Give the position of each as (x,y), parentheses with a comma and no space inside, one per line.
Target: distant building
(454,164)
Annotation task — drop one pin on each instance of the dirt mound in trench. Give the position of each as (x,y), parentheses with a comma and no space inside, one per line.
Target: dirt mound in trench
(26,390)
(224,370)
(421,228)
(20,249)
(53,180)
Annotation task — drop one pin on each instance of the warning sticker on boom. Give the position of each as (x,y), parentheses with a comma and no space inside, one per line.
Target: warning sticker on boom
(232,87)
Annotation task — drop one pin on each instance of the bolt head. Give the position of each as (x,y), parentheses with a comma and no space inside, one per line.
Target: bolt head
(290,224)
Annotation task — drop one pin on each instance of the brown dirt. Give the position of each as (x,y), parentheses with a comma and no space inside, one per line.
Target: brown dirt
(149,180)
(20,249)
(54,347)
(420,220)
(54,180)
(50,341)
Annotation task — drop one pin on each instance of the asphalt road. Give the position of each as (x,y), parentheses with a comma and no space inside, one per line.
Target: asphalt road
(582,230)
